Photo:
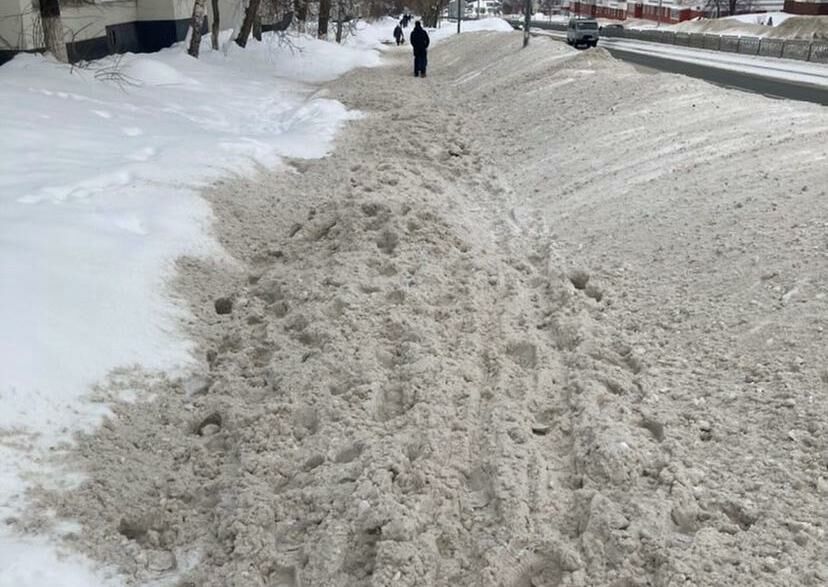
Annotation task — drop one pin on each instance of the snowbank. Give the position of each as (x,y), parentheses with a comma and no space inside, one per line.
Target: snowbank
(762,18)
(99,169)
(785,26)
(447,28)
(95,183)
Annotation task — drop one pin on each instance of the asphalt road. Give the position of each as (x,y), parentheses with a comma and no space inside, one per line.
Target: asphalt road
(730,79)
(774,88)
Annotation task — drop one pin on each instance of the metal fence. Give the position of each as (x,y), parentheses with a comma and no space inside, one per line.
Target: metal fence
(801,50)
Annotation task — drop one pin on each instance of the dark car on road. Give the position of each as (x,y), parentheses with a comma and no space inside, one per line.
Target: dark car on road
(611,30)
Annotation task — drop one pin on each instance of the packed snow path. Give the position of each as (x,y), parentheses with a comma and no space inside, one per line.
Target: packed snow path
(538,320)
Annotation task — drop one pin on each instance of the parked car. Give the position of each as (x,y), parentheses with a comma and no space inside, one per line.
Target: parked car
(611,28)
(582,31)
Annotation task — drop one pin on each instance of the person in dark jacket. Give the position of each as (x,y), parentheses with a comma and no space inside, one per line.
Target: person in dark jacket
(419,42)
(398,35)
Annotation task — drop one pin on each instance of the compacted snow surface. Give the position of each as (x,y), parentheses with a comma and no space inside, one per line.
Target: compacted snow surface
(99,176)
(537,319)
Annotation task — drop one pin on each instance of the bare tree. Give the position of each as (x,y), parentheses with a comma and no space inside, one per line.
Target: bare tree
(739,6)
(527,17)
(346,18)
(300,7)
(53,29)
(197,25)
(718,8)
(339,18)
(257,27)
(214,32)
(247,24)
(429,10)
(324,16)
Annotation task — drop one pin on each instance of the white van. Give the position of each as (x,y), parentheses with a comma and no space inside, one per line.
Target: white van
(582,31)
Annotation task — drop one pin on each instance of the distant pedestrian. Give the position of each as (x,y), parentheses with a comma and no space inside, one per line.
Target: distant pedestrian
(770,21)
(419,42)
(398,35)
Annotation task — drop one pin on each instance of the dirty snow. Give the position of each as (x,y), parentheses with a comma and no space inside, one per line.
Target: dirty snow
(98,180)
(568,334)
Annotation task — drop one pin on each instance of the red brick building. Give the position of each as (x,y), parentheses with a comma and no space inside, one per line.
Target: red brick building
(666,11)
(805,7)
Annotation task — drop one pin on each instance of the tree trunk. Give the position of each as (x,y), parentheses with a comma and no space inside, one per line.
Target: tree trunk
(53,29)
(339,21)
(197,24)
(247,25)
(324,15)
(731,4)
(214,36)
(430,15)
(527,16)
(300,7)
(257,28)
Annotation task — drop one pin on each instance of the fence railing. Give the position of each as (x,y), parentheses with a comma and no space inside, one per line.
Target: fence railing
(815,51)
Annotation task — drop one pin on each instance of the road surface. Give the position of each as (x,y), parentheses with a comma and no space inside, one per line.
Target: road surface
(779,78)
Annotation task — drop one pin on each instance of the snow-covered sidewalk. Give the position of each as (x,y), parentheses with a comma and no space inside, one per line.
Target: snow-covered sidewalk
(99,179)
(568,333)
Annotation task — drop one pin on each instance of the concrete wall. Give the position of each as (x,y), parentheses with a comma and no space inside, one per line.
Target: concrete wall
(108,26)
(17,25)
(20,24)
(231,13)
(84,21)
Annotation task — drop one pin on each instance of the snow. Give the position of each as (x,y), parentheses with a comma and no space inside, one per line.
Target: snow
(762,18)
(447,28)
(98,196)
(378,34)
(35,563)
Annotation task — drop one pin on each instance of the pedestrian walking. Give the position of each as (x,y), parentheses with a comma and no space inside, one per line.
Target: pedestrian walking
(419,42)
(398,35)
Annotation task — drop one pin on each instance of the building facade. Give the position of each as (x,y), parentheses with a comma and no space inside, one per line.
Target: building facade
(94,28)
(807,7)
(666,11)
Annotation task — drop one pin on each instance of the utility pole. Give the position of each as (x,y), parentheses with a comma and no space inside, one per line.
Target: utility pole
(527,15)
(658,16)
(459,13)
